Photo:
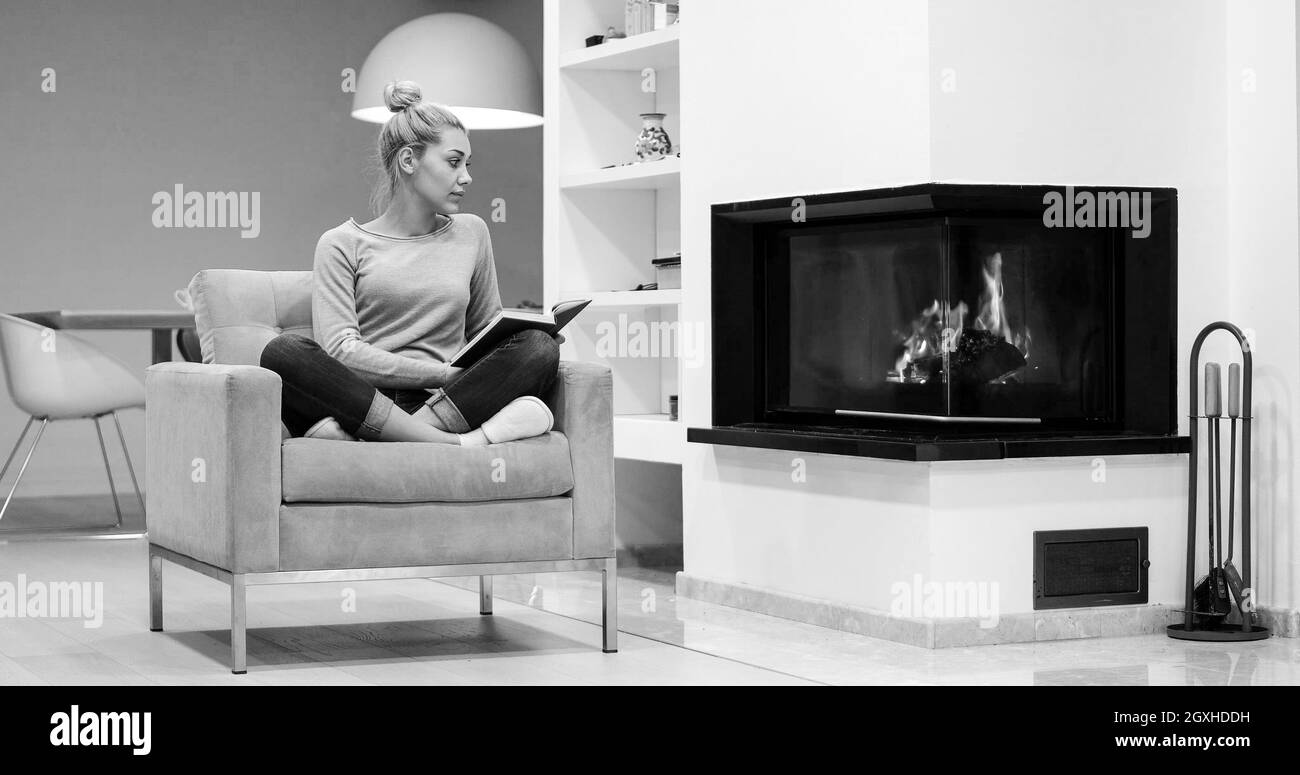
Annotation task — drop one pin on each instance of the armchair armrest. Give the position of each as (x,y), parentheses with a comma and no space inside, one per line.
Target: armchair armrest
(583,403)
(212,463)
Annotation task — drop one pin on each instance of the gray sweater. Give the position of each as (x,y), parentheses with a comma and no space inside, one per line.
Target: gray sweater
(395,310)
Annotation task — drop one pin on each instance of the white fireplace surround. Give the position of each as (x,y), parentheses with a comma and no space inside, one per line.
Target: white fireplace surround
(1199,96)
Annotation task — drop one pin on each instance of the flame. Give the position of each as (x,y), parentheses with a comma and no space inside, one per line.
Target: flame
(992,314)
(940,326)
(919,342)
(927,335)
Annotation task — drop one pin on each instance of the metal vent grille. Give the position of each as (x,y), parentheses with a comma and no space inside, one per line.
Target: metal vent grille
(1076,568)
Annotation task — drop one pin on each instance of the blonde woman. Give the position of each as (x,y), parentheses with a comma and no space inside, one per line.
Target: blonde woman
(394,298)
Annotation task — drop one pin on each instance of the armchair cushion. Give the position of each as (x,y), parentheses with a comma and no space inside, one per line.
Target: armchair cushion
(321,471)
(328,536)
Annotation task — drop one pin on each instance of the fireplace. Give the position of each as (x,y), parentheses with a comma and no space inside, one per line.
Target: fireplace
(946,321)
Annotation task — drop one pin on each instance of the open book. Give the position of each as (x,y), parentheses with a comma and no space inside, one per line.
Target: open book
(509,322)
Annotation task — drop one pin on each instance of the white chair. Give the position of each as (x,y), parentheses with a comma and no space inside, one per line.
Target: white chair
(53,375)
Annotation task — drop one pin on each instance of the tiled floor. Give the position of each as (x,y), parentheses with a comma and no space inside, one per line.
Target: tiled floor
(649,607)
(429,632)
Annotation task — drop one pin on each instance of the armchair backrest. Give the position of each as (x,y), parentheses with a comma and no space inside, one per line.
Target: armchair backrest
(237,311)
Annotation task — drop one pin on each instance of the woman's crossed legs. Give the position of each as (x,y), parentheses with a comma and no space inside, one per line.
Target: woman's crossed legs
(316,386)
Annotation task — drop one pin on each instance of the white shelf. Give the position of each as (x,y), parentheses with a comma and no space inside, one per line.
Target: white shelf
(649,437)
(657,49)
(666,297)
(601,225)
(665,173)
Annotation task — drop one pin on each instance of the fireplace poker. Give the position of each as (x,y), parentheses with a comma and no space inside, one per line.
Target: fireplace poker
(1234,411)
(1212,414)
(1233,578)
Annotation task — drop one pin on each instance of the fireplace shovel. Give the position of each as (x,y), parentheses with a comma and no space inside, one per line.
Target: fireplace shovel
(1212,600)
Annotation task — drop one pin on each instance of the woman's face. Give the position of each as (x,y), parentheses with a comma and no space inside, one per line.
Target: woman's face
(442,173)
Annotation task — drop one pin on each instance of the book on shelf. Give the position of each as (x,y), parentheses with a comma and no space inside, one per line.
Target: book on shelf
(510,322)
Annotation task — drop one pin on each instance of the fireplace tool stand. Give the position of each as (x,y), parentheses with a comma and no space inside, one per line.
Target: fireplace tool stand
(1210,614)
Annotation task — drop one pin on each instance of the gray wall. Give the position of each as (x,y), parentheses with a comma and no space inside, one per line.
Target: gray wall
(218,96)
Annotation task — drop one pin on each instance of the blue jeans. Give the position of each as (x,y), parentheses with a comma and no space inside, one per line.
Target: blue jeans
(316,386)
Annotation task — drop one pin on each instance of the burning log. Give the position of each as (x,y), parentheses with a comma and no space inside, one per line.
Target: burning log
(983,356)
(989,351)
(980,357)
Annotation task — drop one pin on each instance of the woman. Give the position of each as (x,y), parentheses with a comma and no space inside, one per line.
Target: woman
(395,298)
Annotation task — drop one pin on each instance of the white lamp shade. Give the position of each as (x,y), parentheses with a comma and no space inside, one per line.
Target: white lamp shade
(471,65)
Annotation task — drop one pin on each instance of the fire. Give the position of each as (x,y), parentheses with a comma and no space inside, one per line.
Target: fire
(926,338)
(979,353)
(992,316)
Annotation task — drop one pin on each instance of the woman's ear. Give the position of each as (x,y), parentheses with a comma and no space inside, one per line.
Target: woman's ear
(406,160)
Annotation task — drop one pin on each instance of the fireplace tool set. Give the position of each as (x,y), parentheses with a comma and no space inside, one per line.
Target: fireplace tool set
(1220,607)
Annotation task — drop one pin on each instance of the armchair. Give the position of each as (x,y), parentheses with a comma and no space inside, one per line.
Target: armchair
(230,496)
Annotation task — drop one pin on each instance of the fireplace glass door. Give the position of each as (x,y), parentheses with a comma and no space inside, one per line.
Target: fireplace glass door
(981,319)
(1034,338)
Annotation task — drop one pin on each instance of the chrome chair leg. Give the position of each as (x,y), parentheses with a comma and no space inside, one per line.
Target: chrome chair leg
(609,606)
(485,595)
(155,592)
(26,460)
(17,444)
(112,488)
(238,625)
(129,467)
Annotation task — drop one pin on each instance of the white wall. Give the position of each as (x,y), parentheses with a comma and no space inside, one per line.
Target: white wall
(151,93)
(778,100)
(1264,277)
(865,94)
(984,514)
(1107,92)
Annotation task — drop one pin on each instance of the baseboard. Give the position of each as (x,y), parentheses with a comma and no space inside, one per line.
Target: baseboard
(1284,622)
(935,633)
(836,616)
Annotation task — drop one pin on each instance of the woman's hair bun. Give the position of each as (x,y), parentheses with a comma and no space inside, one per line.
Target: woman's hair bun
(399,95)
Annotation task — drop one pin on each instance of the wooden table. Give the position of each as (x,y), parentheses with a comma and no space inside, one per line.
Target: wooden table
(160,321)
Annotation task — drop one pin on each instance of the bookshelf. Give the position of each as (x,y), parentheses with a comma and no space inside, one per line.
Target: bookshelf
(605,217)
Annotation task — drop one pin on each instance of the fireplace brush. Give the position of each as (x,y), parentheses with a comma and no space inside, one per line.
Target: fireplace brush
(1221,606)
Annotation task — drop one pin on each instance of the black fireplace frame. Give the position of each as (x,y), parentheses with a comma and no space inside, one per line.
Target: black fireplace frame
(1145,419)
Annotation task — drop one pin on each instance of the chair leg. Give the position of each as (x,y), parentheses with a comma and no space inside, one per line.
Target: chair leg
(39,432)
(17,444)
(129,467)
(609,606)
(155,592)
(238,625)
(485,595)
(112,488)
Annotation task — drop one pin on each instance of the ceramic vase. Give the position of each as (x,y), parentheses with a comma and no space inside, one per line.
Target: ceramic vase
(653,143)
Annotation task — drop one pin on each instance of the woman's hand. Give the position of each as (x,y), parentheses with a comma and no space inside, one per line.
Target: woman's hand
(452,373)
